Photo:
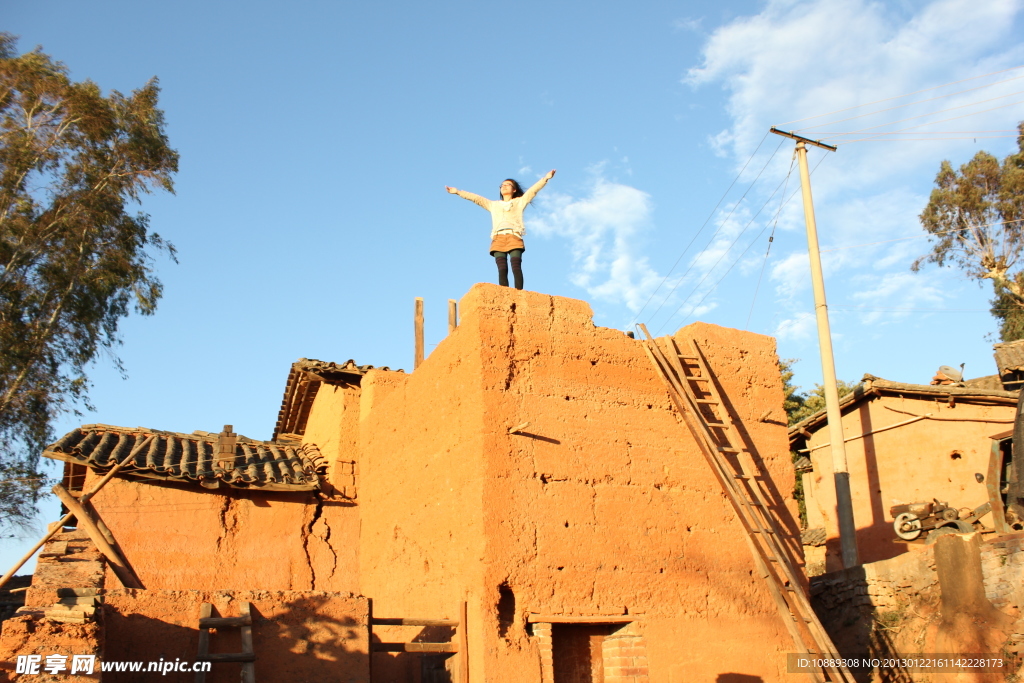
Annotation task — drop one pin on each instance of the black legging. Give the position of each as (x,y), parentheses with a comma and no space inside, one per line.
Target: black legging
(517,266)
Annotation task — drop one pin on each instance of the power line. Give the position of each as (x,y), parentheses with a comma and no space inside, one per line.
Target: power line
(715,234)
(924,234)
(916,92)
(771,238)
(831,136)
(738,258)
(908,104)
(969,137)
(697,234)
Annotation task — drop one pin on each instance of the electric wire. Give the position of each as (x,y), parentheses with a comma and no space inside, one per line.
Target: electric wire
(897,97)
(715,234)
(970,137)
(908,104)
(926,234)
(929,123)
(832,136)
(726,252)
(697,234)
(771,238)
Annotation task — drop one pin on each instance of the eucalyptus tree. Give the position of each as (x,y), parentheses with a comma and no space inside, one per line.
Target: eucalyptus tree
(975,216)
(76,255)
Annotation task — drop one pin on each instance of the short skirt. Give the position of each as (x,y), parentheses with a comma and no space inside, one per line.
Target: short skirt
(506,242)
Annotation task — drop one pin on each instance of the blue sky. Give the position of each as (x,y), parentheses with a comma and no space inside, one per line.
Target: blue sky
(316,139)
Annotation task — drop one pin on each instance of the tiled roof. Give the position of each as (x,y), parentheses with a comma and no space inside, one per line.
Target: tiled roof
(304,380)
(814,537)
(803,464)
(1009,356)
(871,385)
(986,382)
(190,458)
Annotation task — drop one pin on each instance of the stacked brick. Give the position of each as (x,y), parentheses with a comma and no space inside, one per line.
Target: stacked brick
(542,632)
(625,656)
(345,476)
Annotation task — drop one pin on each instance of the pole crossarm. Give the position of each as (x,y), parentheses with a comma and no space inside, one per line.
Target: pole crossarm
(800,138)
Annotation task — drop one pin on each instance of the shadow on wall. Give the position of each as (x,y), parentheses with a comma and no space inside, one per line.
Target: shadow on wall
(878,535)
(301,642)
(415,667)
(775,499)
(738,678)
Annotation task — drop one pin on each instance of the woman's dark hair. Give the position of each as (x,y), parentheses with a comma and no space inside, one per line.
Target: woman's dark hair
(516,190)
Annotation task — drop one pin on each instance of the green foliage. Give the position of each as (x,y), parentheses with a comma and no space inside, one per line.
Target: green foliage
(801,406)
(1008,311)
(74,259)
(975,216)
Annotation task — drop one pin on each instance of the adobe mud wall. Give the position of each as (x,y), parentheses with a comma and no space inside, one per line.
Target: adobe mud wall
(298,636)
(333,426)
(186,538)
(913,463)
(601,505)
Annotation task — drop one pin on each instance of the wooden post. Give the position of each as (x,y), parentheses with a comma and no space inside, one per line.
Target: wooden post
(463,644)
(840,469)
(57,526)
(418,329)
(453,315)
(117,563)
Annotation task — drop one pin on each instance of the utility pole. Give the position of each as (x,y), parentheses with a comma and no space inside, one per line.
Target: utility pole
(840,469)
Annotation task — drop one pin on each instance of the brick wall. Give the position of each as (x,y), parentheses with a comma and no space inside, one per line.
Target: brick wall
(623,653)
(625,656)
(542,632)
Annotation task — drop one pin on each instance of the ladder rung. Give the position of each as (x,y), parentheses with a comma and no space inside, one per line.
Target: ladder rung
(758,531)
(727,449)
(754,502)
(706,401)
(741,476)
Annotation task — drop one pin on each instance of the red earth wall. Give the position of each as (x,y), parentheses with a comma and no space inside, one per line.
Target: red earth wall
(186,538)
(602,505)
(298,636)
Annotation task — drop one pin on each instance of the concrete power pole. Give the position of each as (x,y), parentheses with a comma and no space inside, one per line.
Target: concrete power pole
(840,469)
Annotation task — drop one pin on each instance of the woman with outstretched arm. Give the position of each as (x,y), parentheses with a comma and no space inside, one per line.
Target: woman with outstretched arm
(507,227)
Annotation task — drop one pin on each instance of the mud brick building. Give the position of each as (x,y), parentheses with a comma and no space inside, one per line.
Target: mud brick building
(905,443)
(529,481)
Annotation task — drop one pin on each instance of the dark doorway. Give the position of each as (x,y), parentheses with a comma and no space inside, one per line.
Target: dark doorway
(577,652)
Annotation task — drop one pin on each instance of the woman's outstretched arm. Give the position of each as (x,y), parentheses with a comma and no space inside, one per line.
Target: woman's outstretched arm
(532,192)
(475,198)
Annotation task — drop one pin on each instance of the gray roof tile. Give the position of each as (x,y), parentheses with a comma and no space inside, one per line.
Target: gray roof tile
(173,456)
(304,380)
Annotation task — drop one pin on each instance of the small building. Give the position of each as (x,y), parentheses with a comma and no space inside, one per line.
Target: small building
(525,506)
(905,443)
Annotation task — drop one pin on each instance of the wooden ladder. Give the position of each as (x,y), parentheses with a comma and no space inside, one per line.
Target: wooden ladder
(247,656)
(693,391)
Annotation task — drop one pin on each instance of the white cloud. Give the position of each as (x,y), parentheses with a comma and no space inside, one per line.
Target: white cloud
(603,229)
(800,327)
(897,296)
(803,58)
(688,24)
